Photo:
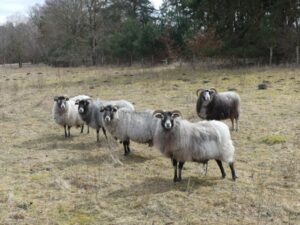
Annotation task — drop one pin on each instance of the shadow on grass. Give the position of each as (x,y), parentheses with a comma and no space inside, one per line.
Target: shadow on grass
(133,158)
(156,185)
(54,141)
(97,160)
(90,160)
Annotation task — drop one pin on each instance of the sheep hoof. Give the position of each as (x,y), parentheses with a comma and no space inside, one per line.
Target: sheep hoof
(176,179)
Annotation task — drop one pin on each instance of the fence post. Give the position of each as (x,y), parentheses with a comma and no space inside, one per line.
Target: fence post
(271,56)
(297,55)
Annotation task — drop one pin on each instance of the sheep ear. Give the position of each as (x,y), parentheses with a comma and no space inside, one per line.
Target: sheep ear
(199,91)
(158,114)
(67,99)
(115,108)
(77,102)
(176,113)
(55,98)
(101,109)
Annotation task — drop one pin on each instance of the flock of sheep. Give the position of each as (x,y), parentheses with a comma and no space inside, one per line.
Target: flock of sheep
(176,138)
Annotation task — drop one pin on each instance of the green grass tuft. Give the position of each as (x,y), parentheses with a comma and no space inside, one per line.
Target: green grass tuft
(274,139)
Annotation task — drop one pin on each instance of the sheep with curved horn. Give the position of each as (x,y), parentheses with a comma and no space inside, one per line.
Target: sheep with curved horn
(213,105)
(183,141)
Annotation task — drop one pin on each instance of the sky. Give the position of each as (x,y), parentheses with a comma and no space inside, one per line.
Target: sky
(9,8)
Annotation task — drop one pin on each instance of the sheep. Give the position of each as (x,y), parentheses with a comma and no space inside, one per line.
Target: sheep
(129,125)
(124,104)
(89,112)
(64,112)
(183,141)
(212,105)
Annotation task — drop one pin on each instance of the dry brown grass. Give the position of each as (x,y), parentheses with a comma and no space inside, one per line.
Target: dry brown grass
(46,179)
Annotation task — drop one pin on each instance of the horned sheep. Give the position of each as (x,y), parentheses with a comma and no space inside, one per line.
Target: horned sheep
(183,141)
(213,105)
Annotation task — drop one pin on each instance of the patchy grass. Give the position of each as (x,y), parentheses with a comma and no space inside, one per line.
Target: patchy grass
(274,139)
(47,179)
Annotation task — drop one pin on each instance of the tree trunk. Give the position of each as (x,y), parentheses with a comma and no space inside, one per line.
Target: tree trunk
(297,55)
(102,60)
(130,64)
(20,62)
(271,56)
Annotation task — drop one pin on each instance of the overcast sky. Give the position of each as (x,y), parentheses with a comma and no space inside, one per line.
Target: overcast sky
(11,7)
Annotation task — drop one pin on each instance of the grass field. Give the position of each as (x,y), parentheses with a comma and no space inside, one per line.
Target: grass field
(47,179)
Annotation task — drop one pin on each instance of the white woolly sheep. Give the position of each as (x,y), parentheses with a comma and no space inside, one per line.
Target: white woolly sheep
(129,125)
(183,141)
(65,112)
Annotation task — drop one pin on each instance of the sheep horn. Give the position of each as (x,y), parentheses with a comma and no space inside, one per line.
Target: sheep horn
(199,90)
(156,113)
(213,89)
(176,113)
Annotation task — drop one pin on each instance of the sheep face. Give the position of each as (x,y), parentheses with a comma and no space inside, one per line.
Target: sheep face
(82,106)
(109,112)
(61,102)
(206,96)
(167,118)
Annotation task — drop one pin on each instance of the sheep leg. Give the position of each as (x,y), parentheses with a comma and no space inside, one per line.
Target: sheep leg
(69,134)
(66,135)
(104,132)
(180,166)
(221,168)
(97,135)
(205,165)
(232,124)
(174,162)
(150,143)
(82,129)
(231,165)
(128,143)
(237,124)
(126,147)
(88,129)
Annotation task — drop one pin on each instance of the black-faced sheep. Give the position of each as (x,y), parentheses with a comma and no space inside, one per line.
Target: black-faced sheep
(212,105)
(65,113)
(183,141)
(89,112)
(129,125)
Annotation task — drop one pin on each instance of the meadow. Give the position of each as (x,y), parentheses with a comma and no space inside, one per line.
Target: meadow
(47,179)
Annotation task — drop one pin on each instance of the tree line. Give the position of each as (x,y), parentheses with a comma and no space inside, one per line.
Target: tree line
(98,32)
